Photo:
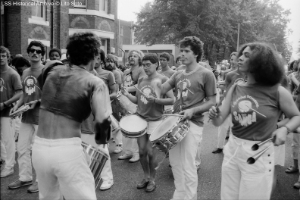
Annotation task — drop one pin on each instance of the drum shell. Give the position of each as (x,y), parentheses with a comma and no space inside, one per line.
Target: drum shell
(130,133)
(97,160)
(172,137)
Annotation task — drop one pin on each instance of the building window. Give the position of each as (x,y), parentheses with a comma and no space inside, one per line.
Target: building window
(103,4)
(38,10)
(80,3)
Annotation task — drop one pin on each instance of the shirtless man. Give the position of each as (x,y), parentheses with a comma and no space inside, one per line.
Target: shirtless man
(70,93)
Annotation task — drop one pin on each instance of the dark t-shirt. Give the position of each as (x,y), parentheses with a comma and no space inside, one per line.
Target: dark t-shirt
(255,111)
(150,111)
(167,73)
(31,91)
(10,82)
(195,86)
(107,77)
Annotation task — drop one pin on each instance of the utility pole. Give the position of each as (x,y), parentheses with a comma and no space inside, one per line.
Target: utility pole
(238,37)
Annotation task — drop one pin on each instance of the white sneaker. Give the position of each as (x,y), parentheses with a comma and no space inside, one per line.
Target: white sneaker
(106,185)
(135,158)
(118,148)
(6,172)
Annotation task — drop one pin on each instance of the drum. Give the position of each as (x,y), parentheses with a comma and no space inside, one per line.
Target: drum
(97,160)
(133,126)
(18,112)
(126,103)
(170,132)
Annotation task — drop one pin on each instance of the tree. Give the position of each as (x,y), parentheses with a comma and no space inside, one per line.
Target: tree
(214,22)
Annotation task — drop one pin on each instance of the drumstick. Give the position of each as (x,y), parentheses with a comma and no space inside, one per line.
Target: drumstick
(140,91)
(257,112)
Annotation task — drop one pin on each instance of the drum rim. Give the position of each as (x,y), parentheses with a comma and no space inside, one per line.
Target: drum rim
(166,132)
(132,115)
(94,148)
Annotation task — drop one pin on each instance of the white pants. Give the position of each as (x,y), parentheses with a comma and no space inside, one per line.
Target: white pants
(62,168)
(106,173)
(25,141)
(8,146)
(198,156)
(222,132)
(182,159)
(296,146)
(241,180)
(130,146)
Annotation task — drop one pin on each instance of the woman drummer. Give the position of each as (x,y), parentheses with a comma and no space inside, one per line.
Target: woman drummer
(255,107)
(151,108)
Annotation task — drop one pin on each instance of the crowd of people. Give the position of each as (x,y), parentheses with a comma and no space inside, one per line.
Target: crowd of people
(75,102)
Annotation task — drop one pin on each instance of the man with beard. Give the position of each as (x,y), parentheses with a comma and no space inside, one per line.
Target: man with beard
(118,111)
(10,91)
(30,119)
(130,147)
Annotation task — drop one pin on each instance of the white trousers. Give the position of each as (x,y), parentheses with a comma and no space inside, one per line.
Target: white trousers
(296,146)
(106,173)
(241,180)
(25,141)
(222,132)
(130,146)
(8,146)
(182,159)
(62,168)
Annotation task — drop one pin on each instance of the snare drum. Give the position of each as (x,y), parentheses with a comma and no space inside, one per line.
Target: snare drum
(133,126)
(126,103)
(97,160)
(170,132)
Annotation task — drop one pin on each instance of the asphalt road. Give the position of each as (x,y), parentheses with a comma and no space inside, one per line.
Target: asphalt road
(127,175)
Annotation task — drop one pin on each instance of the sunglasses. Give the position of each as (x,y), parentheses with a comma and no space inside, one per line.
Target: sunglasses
(34,50)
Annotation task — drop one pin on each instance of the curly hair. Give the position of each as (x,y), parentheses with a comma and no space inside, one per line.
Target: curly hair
(55,50)
(140,54)
(196,45)
(165,55)
(82,48)
(265,64)
(37,44)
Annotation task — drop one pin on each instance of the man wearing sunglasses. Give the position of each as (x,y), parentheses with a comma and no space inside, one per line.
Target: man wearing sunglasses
(31,96)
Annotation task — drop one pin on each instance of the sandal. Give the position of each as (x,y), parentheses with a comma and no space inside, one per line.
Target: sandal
(291,170)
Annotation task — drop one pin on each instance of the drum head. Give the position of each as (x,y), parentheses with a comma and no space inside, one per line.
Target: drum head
(164,127)
(133,124)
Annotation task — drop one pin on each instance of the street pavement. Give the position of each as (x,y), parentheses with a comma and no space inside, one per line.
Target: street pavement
(127,175)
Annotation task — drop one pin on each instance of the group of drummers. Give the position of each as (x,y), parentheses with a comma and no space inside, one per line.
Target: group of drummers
(81,107)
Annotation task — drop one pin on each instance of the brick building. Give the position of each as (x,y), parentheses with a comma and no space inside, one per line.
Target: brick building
(52,21)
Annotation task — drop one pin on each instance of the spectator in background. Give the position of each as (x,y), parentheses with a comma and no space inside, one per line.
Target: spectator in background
(20,64)
(164,59)
(55,54)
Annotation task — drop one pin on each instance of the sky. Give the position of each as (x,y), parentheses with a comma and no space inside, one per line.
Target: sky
(128,8)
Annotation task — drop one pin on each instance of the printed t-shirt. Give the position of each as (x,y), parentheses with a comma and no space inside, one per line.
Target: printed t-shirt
(10,82)
(255,111)
(31,91)
(150,111)
(195,86)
